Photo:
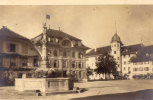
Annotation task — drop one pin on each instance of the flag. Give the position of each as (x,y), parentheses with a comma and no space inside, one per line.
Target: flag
(47,16)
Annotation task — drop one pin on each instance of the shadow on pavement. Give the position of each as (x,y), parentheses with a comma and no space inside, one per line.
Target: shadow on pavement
(138,95)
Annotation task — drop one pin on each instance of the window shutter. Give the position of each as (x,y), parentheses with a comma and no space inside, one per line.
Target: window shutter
(17,48)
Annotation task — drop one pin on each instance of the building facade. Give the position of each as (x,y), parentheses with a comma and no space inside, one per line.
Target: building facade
(16,51)
(131,60)
(64,52)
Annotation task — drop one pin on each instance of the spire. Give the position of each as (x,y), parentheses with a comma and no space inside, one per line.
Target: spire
(115,27)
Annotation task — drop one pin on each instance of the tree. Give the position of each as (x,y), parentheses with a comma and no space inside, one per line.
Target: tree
(89,72)
(106,65)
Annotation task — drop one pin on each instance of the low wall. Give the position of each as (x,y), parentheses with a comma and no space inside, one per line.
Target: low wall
(43,84)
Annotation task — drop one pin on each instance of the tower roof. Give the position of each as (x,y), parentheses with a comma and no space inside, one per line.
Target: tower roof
(115,38)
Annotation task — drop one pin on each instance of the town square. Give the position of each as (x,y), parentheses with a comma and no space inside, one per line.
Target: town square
(102,52)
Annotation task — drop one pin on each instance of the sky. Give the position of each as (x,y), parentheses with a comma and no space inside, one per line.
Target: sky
(94,25)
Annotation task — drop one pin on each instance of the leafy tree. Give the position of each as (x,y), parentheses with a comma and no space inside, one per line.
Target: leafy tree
(89,72)
(106,65)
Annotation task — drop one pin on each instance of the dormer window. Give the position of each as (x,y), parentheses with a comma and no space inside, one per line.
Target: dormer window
(80,55)
(147,54)
(49,39)
(66,43)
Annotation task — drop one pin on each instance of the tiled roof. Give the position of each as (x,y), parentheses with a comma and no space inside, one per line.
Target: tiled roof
(144,54)
(7,33)
(115,38)
(124,50)
(131,49)
(58,34)
(98,51)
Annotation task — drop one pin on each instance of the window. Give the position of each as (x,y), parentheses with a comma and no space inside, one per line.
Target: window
(64,64)
(73,65)
(12,48)
(124,62)
(128,68)
(50,63)
(66,43)
(146,68)
(124,68)
(117,45)
(12,62)
(55,53)
(114,45)
(135,69)
(80,55)
(29,75)
(80,65)
(114,52)
(118,58)
(55,63)
(1,62)
(49,39)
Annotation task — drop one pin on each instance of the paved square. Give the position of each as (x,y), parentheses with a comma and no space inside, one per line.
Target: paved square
(96,90)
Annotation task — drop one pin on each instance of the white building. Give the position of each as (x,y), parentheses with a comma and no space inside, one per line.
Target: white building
(131,60)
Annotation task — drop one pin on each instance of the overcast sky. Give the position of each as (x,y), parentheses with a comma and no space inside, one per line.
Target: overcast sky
(94,25)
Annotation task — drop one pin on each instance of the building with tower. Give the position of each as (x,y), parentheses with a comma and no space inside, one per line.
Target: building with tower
(62,52)
(131,60)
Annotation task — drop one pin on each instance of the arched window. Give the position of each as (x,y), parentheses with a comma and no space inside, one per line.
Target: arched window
(80,65)
(66,43)
(55,52)
(73,64)
(80,55)
(55,63)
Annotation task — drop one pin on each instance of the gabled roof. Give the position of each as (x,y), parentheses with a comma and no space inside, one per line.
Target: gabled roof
(131,49)
(144,54)
(7,33)
(58,34)
(98,51)
(124,50)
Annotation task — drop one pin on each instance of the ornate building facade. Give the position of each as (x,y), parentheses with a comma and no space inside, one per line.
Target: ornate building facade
(131,60)
(64,52)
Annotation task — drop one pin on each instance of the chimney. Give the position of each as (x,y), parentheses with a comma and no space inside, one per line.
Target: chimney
(4,26)
(95,49)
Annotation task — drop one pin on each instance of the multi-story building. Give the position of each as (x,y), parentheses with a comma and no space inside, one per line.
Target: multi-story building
(64,52)
(131,60)
(16,51)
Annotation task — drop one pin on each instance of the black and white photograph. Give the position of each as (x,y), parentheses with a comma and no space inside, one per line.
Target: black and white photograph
(76,52)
